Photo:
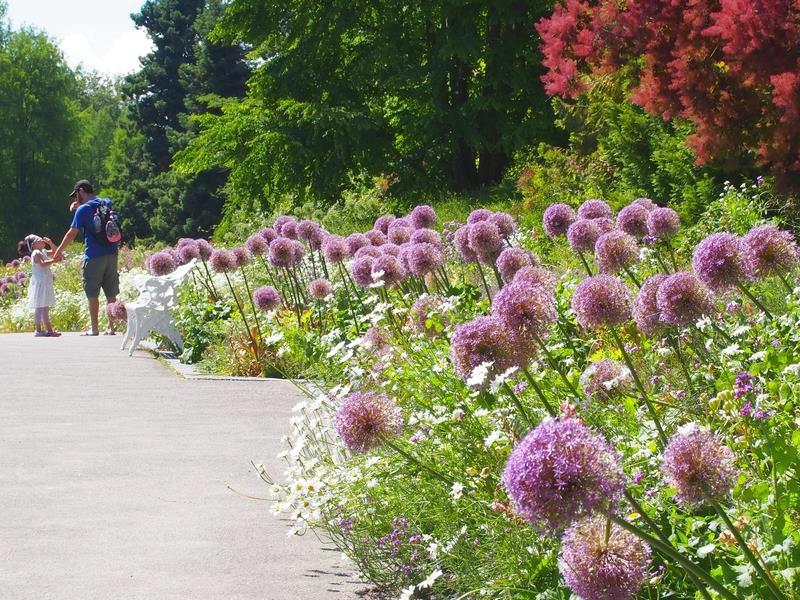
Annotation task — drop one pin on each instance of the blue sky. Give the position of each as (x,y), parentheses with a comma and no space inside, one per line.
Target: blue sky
(98,34)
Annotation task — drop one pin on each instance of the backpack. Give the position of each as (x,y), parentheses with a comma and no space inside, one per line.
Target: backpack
(105,222)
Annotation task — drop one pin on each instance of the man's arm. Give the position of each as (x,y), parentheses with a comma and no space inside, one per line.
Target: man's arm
(69,237)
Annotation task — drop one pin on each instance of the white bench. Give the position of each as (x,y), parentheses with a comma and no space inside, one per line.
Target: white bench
(151,310)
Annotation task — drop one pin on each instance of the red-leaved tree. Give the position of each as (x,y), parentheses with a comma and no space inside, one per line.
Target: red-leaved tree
(731,67)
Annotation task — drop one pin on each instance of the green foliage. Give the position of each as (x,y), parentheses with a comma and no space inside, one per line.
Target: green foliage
(201,322)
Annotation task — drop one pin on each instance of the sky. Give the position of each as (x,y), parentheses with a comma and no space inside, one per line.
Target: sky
(98,34)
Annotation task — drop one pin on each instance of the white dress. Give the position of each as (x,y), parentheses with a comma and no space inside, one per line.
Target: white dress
(40,290)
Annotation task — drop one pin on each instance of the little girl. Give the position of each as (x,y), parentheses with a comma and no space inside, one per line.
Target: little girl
(41,295)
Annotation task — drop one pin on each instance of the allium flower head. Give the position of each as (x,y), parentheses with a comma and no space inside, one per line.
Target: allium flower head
(505,223)
(361,270)
(602,561)
(528,309)
(161,263)
(382,223)
(485,339)
(379,341)
(682,299)
(633,220)
(594,209)
(388,269)
(560,472)
(423,216)
(557,219)
(603,380)
(423,258)
(461,241)
(266,298)
(268,233)
(390,248)
(306,229)
(356,241)
(399,234)
(188,252)
(281,221)
(223,261)
(298,251)
(582,235)
(365,419)
(478,215)
(663,223)
(604,224)
(512,260)
(485,241)
(536,276)
(376,237)
(204,248)
(371,251)
(767,250)
(645,307)
(281,252)
(426,235)
(289,229)
(699,466)
(615,251)
(257,245)
(645,203)
(717,262)
(602,300)
(242,255)
(335,249)
(319,289)
(422,312)
(117,311)
(315,238)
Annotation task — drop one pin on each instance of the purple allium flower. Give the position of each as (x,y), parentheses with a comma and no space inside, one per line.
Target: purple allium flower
(604,224)
(423,258)
(485,241)
(747,409)
(646,203)
(504,222)
(382,223)
(4,287)
(682,299)
(512,260)
(594,209)
(699,466)
(520,387)
(478,215)
(289,229)
(319,289)
(557,219)
(379,340)
(281,252)
(528,309)
(266,298)
(663,223)
(743,384)
(602,300)
(361,270)
(633,220)
(398,234)
(426,235)
(767,250)
(423,216)
(717,262)
(188,252)
(645,307)
(355,241)
(15,263)
(184,241)
(161,263)
(25,259)
(365,419)
(390,248)
(280,221)
(422,311)
(268,233)
(316,238)
(615,251)
(602,561)
(759,181)
(388,269)
(461,241)
(243,256)
(560,472)
(536,276)
(761,415)
(257,245)
(298,251)
(335,249)
(485,339)
(370,251)
(21,277)
(376,237)
(306,229)
(582,235)
(222,261)
(117,311)
(603,380)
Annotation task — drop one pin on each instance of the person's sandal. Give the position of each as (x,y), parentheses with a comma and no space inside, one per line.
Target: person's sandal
(53,333)
(40,334)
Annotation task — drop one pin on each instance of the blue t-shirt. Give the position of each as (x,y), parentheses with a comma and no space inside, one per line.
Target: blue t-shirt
(84,219)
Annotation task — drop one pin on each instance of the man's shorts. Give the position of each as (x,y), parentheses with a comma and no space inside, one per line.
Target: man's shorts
(101,272)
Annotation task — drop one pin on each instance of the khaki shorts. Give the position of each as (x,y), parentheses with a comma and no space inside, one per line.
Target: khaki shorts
(101,272)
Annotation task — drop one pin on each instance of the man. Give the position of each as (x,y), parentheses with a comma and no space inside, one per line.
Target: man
(99,259)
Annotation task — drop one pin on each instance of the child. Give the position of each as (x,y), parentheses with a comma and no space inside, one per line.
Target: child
(41,295)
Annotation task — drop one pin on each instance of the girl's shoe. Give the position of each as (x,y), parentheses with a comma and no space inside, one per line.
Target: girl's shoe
(53,333)
(41,334)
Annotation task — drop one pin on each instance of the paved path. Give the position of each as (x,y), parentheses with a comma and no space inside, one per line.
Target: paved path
(114,475)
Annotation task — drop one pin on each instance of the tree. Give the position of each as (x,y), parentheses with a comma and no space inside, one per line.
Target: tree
(730,67)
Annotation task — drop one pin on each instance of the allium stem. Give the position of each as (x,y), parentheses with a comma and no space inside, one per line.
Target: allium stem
(645,398)
(483,279)
(671,254)
(661,262)
(210,280)
(585,264)
(676,343)
(412,459)
(632,277)
(349,300)
(498,277)
(773,588)
(551,361)
(754,300)
(720,331)
(256,351)
(519,405)
(785,283)
(252,305)
(537,388)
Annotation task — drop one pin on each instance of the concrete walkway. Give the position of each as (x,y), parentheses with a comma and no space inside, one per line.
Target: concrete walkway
(114,476)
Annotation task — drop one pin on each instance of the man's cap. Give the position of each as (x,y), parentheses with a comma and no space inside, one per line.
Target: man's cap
(84,185)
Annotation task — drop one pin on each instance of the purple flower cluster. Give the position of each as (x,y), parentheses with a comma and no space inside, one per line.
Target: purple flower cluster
(422,312)
(423,217)
(699,466)
(428,236)
(743,384)
(319,289)
(423,258)
(485,241)
(767,250)
(718,263)
(361,270)
(633,219)
(188,252)
(560,472)
(604,380)
(266,298)
(646,203)
(528,309)
(582,235)
(161,263)
(594,209)
(335,249)
(379,341)
(356,241)
(602,561)
(663,223)
(282,252)
(557,219)
(512,260)
(365,419)
(382,223)
(602,300)
(257,245)
(389,269)
(117,311)
(243,256)
(223,261)
(682,300)
(482,340)
(615,251)
(536,276)
(461,241)
(645,307)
